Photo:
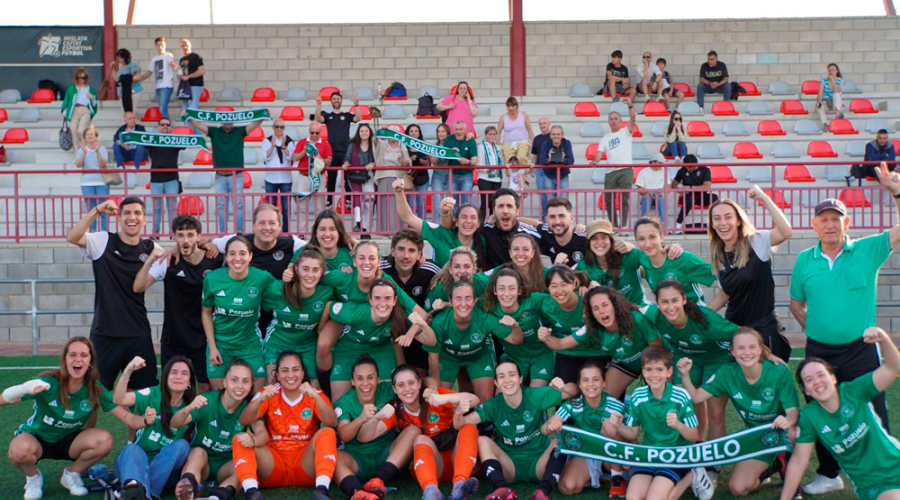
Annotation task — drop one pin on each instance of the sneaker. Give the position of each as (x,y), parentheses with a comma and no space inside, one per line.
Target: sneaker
(319,493)
(184,490)
(363,495)
(702,487)
(254,494)
(376,487)
(539,495)
(72,482)
(464,489)
(432,492)
(798,495)
(227,493)
(822,484)
(502,494)
(134,491)
(616,98)
(34,486)
(618,487)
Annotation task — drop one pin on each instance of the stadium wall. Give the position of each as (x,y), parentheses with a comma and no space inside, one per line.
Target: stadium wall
(559,53)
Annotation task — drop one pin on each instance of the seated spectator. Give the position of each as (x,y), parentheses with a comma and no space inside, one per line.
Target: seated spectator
(698,180)
(489,180)
(461,107)
(127,152)
(557,151)
(650,183)
(881,149)
(667,88)
(676,147)
(713,79)
(617,81)
(830,95)
(516,132)
(650,78)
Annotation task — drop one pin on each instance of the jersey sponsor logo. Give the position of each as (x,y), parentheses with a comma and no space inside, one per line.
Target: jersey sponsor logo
(417,291)
(220,293)
(306,413)
(54,403)
(260,370)
(527,416)
(303,317)
(69,414)
(238,301)
(277,412)
(825,429)
(145,391)
(336,308)
(543,371)
(755,404)
(768,394)
(224,434)
(448,342)
(49,420)
(488,368)
(338,412)
(143,257)
(252,292)
(213,424)
(520,428)
(360,332)
(847,411)
(344,297)
(286,309)
(710,379)
(279,255)
(738,396)
(293,428)
(207,442)
(154,436)
(505,423)
(180,274)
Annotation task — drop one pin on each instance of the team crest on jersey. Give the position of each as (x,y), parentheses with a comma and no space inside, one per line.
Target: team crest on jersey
(336,370)
(433,418)
(143,257)
(477,338)
(671,276)
(527,416)
(526,316)
(306,413)
(577,256)
(318,306)
(417,290)
(278,255)
(252,292)
(85,405)
(768,394)
(696,339)
(206,272)
(573,441)
(847,411)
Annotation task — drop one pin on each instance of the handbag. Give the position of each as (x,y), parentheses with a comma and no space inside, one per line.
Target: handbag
(358,176)
(408,181)
(184,91)
(65,136)
(111,177)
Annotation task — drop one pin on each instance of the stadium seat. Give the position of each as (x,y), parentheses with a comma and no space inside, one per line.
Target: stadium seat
(750,89)
(324,135)
(873,125)
(699,129)
(204,96)
(325,93)
(224,108)
(365,93)
(263,94)
(364,110)
(393,112)
(191,205)
(639,152)
(428,89)
(810,87)
(598,175)
(637,129)
(395,127)
(734,128)
(793,107)
(199,180)
(855,149)
(854,198)
(862,106)
(604,93)
(3,115)
(770,127)
(591,151)
(820,149)
(292,131)
(798,173)
(659,128)
(757,174)
(709,151)
(250,158)
(471,91)
(183,131)
(896,146)
(655,108)
(586,108)
(690,108)
(152,115)
(15,136)
(836,173)
(29,115)
(296,94)
(41,96)
(842,126)
(256,136)
(619,107)
(850,87)
(637,170)
(806,127)
(746,150)
(592,129)
(11,96)
(722,175)
(685,88)
(293,114)
(777,198)
(429,131)
(203,158)
(758,108)
(780,88)
(230,95)
(784,149)
(724,108)
(428,117)
(580,90)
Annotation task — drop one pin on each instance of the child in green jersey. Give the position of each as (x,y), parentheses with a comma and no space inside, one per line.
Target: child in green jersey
(215,416)
(761,391)
(61,428)
(841,418)
(462,266)
(332,240)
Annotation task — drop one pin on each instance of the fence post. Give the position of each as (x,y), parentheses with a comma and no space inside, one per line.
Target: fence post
(34,319)
(16,201)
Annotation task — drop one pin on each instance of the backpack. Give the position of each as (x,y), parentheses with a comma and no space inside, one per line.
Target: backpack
(426,106)
(395,89)
(49,84)
(736,89)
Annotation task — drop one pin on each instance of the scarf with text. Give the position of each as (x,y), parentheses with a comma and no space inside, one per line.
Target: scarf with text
(153,139)
(247,115)
(417,145)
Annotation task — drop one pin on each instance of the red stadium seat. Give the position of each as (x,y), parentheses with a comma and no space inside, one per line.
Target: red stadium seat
(263,94)
(586,108)
(471,91)
(325,92)
(248,181)
(183,131)
(854,198)
(655,108)
(777,198)
(203,158)
(770,127)
(793,107)
(685,88)
(699,128)
(152,115)
(746,151)
(724,108)
(662,148)
(396,128)
(204,96)
(810,87)
(591,151)
(798,173)
(820,149)
(41,96)
(191,205)
(842,126)
(896,146)
(601,201)
(363,110)
(722,175)
(3,115)
(637,130)
(637,170)
(15,136)
(224,108)
(324,132)
(749,89)
(428,117)
(131,162)
(256,136)
(862,106)
(292,114)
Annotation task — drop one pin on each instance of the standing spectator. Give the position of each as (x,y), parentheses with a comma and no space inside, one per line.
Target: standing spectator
(361,153)
(675,137)
(191,71)
(830,94)
(881,149)
(461,107)
(617,146)
(516,132)
(556,151)
(338,123)
(650,78)
(164,183)
(697,180)
(277,151)
(127,152)
(650,183)
(667,88)
(440,178)
(713,79)
(536,145)
(228,152)
(468,151)
(617,81)
(92,155)
(388,153)
(489,180)
(128,78)
(79,105)
(120,329)
(834,288)
(162,69)
(323,151)
(419,176)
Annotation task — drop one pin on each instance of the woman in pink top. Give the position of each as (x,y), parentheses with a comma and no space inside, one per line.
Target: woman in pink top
(461,107)
(515,128)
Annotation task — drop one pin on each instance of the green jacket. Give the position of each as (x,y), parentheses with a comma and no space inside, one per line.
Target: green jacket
(68,104)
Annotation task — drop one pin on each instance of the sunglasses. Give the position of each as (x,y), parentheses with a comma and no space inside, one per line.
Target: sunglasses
(278,127)
(165,124)
(678,119)
(314,133)
(82,78)
(647,57)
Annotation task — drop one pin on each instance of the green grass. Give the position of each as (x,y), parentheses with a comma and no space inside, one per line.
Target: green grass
(407,489)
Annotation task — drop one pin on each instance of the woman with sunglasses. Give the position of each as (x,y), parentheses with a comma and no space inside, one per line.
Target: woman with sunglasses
(79,105)
(675,145)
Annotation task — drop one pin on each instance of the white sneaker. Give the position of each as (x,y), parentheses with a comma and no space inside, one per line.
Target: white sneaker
(822,484)
(702,487)
(72,482)
(34,486)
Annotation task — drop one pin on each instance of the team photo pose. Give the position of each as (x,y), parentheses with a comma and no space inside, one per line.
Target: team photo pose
(615,263)
(461,267)
(331,239)
(690,270)
(525,256)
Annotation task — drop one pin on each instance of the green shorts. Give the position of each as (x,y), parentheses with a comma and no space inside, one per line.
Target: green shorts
(368,466)
(216,462)
(537,368)
(346,354)
(873,492)
(480,367)
(700,371)
(252,354)
(526,463)
(274,348)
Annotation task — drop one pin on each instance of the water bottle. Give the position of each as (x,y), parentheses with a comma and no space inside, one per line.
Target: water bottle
(97,471)
(379,91)
(58,96)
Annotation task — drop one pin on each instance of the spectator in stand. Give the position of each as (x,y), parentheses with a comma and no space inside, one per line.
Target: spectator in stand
(881,149)
(440,178)
(79,105)
(490,180)
(617,81)
(128,78)
(667,89)
(419,176)
(361,153)
(536,145)
(126,152)
(163,183)
(650,183)
(650,78)
(227,144)
(468,152)
(338,123)
(713,79)
(516,132)
(162,69)
(617,146)
(557,151)
(323,151)
(830,94)
(389,153)
(461,107)
(92,155)
(675,136)
(191,71)
(698,180)
(277,151)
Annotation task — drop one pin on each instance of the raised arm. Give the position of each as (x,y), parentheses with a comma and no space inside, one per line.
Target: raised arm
(202,127)
(348,429)
(143,280)
(121,395)
(632,116)
(253,126)
(887,373)
(183,416)
(697,395)
(77,236)
(251,411)
(375,428)
(13,395)
(403,209)
(317,116)
(890,181)
(782,230)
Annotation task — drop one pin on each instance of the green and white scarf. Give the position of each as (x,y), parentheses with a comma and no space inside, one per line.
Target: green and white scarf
(420,146)
(492,157)
(247,115)
(163,140)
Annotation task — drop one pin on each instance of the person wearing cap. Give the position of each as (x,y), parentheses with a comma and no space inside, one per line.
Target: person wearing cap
(338,125)
(834,291)
(650,183)
(601,250)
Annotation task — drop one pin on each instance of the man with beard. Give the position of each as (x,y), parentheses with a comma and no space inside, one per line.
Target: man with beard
(338,124)
(182,331)
(498,232)
(560,239)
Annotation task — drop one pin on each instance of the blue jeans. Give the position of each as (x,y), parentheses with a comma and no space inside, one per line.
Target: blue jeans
(156,475)
(284,202)
(550,185)
(647,201)
(137,154)
(168,187)
(417,201)
(704,88)
(540,179)
(230,184)
(463,182)
(194,103)
(93,196)
(676,149)
(440,184)
(163,96)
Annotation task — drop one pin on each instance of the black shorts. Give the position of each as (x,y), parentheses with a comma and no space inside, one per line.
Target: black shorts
(58,450)
(566,367)
(620,87)
(197,357)
(415,355)
(114,354)
(624,369)
(673,475)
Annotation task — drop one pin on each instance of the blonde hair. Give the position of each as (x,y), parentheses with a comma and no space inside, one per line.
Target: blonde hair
(445,277)
(79,72)
(742,250)
(90,127)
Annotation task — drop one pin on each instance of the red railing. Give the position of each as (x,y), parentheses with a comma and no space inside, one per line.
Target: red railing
(40,216)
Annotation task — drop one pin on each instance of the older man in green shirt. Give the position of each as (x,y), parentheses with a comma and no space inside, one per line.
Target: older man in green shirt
(461,178)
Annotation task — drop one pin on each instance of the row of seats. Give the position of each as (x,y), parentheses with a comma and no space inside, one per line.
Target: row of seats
(809,87)
(750,151)
(719,108)
(735,128)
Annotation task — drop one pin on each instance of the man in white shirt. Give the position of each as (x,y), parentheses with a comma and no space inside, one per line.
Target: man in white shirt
(277,151)
(650,183)
(162,69)
(617,146)
(650,78)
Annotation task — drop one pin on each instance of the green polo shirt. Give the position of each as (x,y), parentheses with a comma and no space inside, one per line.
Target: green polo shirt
(840,297)
(228,147)
(650,413)
(467,149)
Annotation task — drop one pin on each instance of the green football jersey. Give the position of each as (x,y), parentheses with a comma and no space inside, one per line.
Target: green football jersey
(627,350)
(690,270)
(582,415)
(701,343)
(468,343)
(235,305)
(359,329)
(761,402)
(296,327)
(51,421)
(518,429)
(346,288)
(442,240)
(348,408)
(650,413)
(628,281)
(528,315)
(151,439)
(479,284)
(341,260)
(565,323)
(215,427)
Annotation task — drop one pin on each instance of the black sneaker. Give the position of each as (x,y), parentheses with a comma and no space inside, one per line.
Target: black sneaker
(319,493)
(254,494)
(134,491)
(227,493)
